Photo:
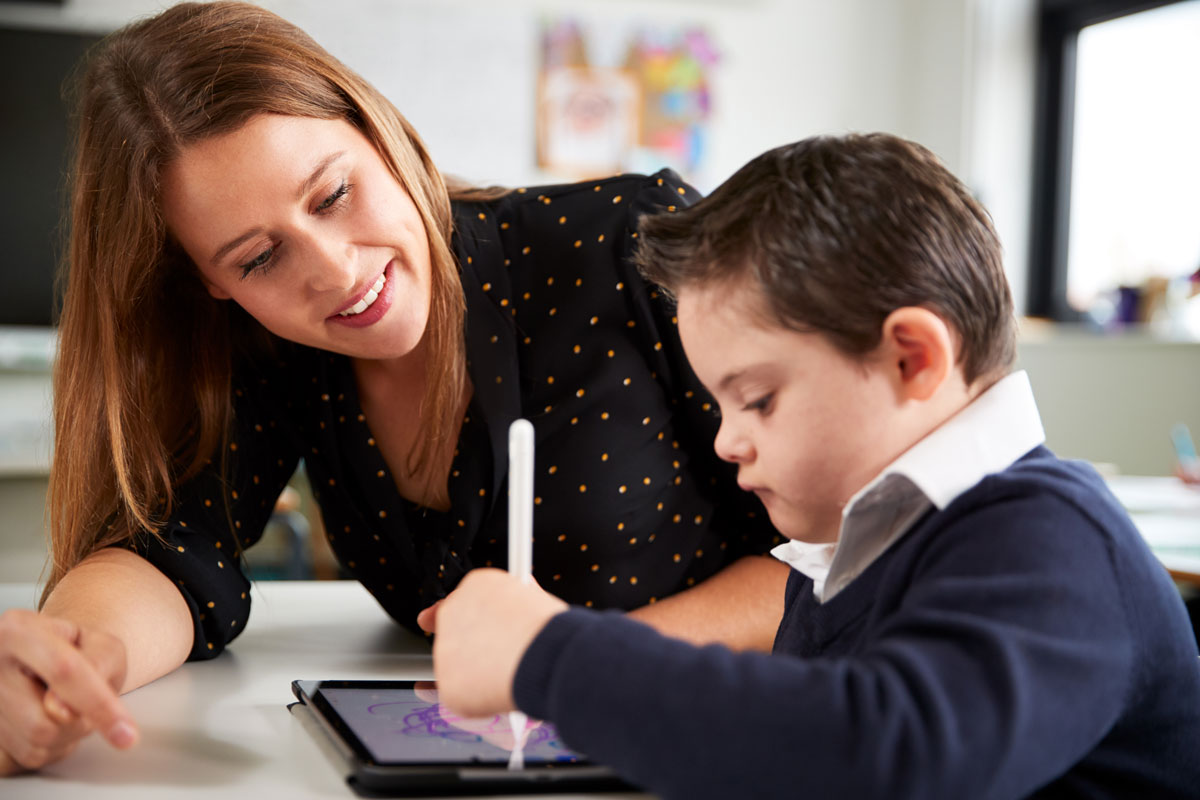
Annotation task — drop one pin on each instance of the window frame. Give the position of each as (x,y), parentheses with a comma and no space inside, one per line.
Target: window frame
(1058,25)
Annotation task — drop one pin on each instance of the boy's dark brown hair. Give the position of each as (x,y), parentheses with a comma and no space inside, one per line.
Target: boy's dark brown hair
(837,233)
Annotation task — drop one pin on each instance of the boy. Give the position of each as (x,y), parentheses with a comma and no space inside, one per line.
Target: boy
(967,615)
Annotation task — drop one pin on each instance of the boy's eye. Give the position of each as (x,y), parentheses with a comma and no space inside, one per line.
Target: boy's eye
(760,405)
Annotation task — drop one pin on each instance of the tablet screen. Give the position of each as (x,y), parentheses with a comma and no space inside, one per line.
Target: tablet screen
(404,723)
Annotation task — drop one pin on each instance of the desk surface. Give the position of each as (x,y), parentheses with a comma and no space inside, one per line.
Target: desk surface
(1168,515)
(221,728)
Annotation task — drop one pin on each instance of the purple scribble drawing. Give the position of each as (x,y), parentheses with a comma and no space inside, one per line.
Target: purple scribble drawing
(431,720)
(428,721)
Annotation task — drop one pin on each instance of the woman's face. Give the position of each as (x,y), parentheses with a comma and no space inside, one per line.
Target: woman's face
(300,222)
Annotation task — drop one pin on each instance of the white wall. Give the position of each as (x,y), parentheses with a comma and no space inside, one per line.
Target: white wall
(1112,400)
(463,70)
(998,163)
(955,75)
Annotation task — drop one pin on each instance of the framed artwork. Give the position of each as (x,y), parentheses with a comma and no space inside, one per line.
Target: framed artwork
(588,120)
(620,95)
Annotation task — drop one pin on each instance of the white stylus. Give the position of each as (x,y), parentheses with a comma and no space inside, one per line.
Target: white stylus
(520,542)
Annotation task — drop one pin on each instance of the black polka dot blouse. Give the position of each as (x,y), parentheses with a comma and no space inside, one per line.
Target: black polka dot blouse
(631,504)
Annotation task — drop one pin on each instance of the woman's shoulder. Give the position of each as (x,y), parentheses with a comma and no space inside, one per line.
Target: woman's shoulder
(623,189)
(661,189)
(591,225)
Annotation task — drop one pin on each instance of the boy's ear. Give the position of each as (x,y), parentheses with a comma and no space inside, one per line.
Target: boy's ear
(919,351)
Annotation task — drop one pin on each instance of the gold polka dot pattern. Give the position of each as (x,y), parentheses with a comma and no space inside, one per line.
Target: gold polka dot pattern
(560,329)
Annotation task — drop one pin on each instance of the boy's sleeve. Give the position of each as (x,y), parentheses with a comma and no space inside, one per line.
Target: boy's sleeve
(996,674)
(216,517)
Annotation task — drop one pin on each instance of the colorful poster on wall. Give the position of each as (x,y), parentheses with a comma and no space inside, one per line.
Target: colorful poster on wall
(646,109)
(588,120)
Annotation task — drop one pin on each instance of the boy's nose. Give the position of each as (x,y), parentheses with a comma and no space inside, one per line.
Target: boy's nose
(732,446)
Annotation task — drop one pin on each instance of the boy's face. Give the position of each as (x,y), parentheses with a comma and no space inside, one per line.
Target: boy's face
(807,425)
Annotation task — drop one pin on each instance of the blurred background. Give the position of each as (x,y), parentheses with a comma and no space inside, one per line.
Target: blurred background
(1072,120)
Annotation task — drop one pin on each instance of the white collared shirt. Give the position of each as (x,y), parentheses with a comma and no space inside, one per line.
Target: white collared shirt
(986,437)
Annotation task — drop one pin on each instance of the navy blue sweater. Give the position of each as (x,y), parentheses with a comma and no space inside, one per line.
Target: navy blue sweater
(1021,642)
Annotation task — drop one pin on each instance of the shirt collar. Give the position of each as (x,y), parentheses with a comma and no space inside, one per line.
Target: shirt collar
(987,436)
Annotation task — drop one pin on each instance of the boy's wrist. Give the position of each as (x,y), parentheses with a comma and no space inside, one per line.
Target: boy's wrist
(536,667)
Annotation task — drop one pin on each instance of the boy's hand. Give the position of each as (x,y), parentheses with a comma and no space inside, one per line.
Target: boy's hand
(58,682)
(483,629)
(427,619)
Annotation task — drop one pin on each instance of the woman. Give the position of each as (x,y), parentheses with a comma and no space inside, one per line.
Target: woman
(266,266)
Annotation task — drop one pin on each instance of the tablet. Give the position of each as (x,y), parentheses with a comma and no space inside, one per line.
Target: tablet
(395,739)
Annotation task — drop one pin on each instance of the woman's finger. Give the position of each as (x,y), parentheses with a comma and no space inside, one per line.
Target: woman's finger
(29,738)
(9,765)
(57,710)
(61,666)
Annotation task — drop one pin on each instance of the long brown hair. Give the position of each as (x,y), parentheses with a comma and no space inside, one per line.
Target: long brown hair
(142,381)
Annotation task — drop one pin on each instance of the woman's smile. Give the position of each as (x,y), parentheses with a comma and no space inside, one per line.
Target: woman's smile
(371,306)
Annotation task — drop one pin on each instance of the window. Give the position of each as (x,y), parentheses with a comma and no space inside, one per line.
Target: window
(1117,171)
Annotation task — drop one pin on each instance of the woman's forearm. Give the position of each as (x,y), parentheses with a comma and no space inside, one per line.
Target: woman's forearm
(740,607)
(118,592)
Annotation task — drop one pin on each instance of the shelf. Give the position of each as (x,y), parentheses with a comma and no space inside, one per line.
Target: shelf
(27,349)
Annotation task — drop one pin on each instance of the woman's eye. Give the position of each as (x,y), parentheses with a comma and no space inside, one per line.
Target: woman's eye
(337,194)
(258,262)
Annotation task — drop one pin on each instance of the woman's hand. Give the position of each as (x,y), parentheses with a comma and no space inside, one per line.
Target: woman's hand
(483,629)
(58,682)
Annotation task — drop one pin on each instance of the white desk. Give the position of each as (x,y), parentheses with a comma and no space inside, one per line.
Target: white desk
(221,728)
(1168,514)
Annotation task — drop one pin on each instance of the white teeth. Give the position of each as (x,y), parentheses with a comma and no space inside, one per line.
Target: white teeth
(367,299)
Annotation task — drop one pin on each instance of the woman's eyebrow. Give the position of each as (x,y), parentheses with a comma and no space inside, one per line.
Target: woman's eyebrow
(233,243)
(315,176)
(305,188)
